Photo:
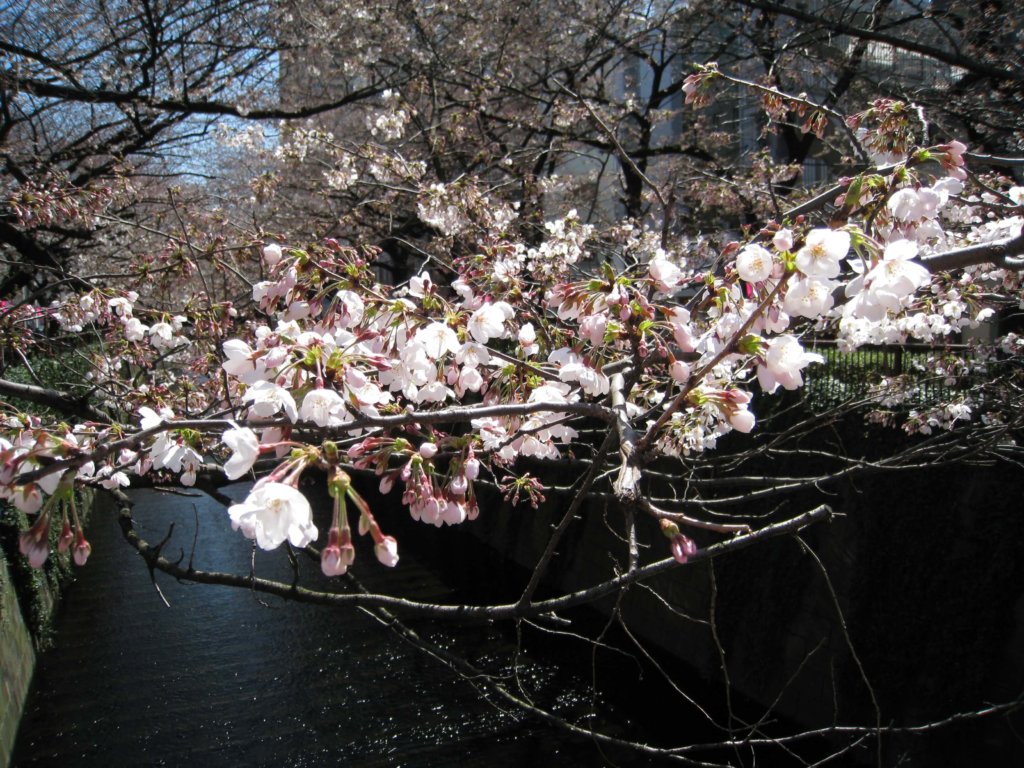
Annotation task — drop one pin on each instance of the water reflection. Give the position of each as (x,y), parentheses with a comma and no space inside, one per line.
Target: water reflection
(228,678)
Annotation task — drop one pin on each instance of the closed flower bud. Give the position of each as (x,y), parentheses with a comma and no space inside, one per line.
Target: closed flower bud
(35,542)
(272,255)
(330,561)
(66,537)
(680,371)
(387,551)
(458,485)
(683,548)
(82,549)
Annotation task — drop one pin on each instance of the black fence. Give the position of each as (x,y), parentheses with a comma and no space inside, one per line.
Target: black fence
(910,374)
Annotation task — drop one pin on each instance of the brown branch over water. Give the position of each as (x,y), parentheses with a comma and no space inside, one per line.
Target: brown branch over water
(155,561)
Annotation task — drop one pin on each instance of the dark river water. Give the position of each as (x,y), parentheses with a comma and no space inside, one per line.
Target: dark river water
(224,677)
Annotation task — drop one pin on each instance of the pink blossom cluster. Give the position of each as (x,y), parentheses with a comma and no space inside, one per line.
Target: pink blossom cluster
(519,342)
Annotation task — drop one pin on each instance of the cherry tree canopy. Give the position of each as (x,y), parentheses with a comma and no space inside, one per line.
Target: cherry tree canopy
(461,267)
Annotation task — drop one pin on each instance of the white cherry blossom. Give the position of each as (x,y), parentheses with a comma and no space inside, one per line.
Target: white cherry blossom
(242,362)
(822,252)
(809,297)
(437,340)
(134,329)
(245,449)
(324,407)
(268,399)
(486,323)
(272,514)
(754,263)
(665,274)
(783,362)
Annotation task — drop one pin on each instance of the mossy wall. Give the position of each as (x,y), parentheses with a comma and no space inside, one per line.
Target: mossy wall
(17,662)
(28,600)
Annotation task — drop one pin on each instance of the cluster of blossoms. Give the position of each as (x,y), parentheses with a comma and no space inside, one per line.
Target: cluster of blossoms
(517,347)
(390,124)
(20,324)
(53,200)
(118,312)
(44,498)
(341,165)
(461,208)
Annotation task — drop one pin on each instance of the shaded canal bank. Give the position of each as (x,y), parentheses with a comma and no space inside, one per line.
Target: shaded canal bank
(226,678)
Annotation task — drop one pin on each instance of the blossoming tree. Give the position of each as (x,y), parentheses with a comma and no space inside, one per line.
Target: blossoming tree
(529,340)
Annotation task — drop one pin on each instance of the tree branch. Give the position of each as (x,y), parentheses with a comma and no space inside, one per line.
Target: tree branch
(63,402)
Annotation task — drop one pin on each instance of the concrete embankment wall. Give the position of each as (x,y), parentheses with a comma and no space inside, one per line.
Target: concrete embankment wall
(28,600)
(923,565)
(17,662)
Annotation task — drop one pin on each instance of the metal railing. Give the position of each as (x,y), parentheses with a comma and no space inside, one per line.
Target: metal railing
(918,374)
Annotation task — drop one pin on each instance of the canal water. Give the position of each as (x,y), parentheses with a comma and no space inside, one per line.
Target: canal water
(224,677)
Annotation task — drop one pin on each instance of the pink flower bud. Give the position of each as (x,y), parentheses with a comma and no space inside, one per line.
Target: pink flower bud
(387,551)
(680,371)
(683,548)
(430,511)
(28,498)
(783,240)
(66,537)
(458,485)
(955,150)
(82,549)
(454,513)
(331,562)
(471,469)
(339,553)
(428,450)
(742,420)
(272,255)
(35,542)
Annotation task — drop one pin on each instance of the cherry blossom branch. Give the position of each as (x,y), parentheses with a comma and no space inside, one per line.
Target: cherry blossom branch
(626,484)
(585,484)
(838,26)
(679,517)
(1013,162)
(64,402)
(801,99)
(155,560)
(72,93)
(1002,708)
(727,349)
(479,678)
(1008,253)
(457,414)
